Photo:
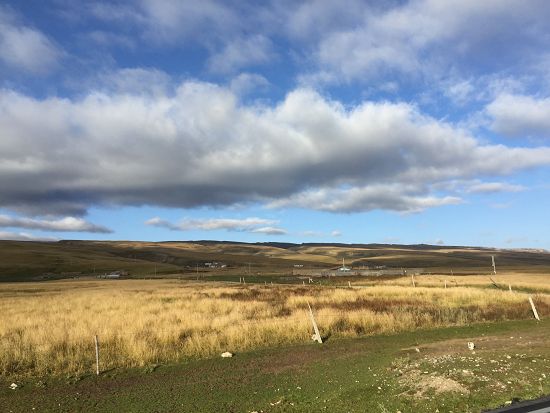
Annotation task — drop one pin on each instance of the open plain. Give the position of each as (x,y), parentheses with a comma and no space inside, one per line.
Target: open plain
(401,334)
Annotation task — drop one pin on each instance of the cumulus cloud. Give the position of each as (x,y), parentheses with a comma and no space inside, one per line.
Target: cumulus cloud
(23,236)
(520,116)
(252,224)
(25,48)
(197,145)
(425,37)
(67,224)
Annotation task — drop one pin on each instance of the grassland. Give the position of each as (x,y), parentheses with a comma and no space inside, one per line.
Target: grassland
(47,328)
(161,337)
(28,261)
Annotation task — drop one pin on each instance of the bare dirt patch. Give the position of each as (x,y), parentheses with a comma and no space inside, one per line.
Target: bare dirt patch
(422,383)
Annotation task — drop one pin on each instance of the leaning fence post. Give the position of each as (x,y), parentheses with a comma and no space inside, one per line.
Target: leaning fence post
(534,309)
(412,279)
(96,355)
(317,335)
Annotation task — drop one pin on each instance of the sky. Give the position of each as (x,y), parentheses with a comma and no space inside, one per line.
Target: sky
(404,122)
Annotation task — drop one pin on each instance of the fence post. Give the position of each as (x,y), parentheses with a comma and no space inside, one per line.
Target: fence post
(445,283)
(534,309)
(317,335)
(96,355)
(510,287)
(412,279)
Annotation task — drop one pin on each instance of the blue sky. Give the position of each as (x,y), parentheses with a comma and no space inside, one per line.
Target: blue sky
(292,121)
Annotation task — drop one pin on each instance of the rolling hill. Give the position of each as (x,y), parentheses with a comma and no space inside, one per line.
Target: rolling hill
(48,260)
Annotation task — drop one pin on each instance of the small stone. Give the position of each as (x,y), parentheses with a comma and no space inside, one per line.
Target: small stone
(227,354)
(13,386)
(471,345)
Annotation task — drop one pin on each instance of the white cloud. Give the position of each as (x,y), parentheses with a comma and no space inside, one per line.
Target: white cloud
(25,48)
(67,224)
(429,38)
(520,116)
(269,231)
(252,224)
(245,83)
(134,80)
(310,20)
(242,52)
(197,145)
(23,236)
(336,233)
(385,197)
(181,20)
(492,187)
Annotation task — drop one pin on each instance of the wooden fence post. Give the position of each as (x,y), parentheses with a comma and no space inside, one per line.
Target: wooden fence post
(317,335)
(412,279)
(96,355)
(445,283)
(510,287)
(534,309)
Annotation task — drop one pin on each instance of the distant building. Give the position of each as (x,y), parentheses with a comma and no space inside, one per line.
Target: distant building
(113,274)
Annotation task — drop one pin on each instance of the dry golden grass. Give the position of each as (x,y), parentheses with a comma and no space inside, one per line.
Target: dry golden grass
(48,328)
(518,281)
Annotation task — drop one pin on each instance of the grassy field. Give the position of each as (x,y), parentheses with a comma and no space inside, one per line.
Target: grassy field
(379,374)
(47,328)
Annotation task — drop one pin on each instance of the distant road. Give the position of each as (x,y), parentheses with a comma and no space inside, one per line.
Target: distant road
(541,405)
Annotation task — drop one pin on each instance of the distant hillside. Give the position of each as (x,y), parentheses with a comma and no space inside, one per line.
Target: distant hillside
(45,260)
